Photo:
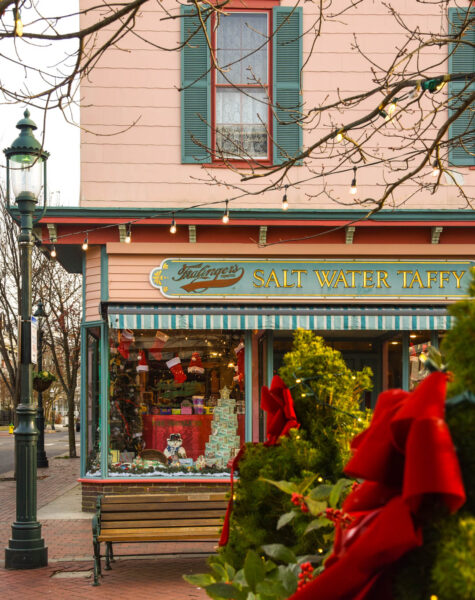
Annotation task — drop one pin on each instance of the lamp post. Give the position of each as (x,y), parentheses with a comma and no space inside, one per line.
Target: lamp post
(41,459)
(26,172)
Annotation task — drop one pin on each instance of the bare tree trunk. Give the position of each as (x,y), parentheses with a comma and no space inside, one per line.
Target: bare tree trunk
(71,426)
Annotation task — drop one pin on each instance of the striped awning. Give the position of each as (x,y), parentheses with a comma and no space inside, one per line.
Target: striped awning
(284,317)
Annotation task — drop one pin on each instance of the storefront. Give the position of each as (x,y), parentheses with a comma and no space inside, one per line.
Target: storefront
(177,379)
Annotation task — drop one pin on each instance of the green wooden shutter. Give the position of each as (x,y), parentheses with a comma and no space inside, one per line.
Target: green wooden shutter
(461,60)
(287,64)
(195,95)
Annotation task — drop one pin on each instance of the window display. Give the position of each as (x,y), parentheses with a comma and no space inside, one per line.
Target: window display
(176,402)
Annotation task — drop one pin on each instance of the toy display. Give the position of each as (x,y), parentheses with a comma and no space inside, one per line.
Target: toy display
(172,388)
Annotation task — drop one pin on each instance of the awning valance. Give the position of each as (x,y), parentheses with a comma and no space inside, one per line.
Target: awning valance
(284,317)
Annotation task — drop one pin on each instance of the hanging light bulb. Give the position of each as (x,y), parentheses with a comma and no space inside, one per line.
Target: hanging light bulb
(173,225)
(391,108)
(85,244)
(225,218)
(353,188)
(53,252)
(384,114)
(128,234)
(435,169)
(18,23)
(285,203)
(339,136)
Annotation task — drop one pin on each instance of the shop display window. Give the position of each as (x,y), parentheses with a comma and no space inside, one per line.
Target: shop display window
(418,350)
(177,404)
(92,395)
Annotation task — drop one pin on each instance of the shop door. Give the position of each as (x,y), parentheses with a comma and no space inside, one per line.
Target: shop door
(356,361)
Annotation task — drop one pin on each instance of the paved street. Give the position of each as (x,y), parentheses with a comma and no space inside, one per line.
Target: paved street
(56,443)
(67,533)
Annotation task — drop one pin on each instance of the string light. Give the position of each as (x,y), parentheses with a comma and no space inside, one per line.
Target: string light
(435,169)
(285,203)
(383,114)
(339,136)
(225,218)
(173,225)
(128,234)
(85,244)
(391,109)
(53,252)
(18,22)
(353,188)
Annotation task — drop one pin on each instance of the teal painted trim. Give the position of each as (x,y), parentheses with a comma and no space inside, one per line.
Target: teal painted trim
(248,384)
(259,214)
(82,402)
(269,357)
(84,288)
(434,339)
(104,399)
(405,360)
(104,275)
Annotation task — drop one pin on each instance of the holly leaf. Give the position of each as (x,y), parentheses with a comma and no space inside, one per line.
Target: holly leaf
(337,490)
(279,552)
(288,579)
(315,506)
(322,492)
(254,570)
(201,580)
(285,519)
(285,486)
(317,524)
(221,590)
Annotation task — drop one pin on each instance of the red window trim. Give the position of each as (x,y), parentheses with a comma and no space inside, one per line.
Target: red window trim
(252,6)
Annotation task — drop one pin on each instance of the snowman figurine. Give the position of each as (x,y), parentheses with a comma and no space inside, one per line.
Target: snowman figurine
(174,449)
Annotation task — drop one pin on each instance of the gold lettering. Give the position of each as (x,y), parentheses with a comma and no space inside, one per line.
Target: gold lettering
(341,278)
(444,277)
(404,277)
(285,280)
(299,273)
(259,278)
(323,278)
(272,277)
(416,278)
(431,278)
(368,279)
(382,276)
(352,275)
(454,273)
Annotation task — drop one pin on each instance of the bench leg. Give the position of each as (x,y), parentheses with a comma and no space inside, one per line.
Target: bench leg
(97,562)
(109,556)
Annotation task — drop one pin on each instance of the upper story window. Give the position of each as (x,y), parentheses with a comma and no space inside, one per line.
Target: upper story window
(250,107)
(241,87)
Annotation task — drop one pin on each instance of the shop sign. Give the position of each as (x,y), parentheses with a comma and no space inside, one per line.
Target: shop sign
(295,279)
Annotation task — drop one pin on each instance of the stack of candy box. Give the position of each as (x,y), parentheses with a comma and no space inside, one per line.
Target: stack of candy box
(223,441)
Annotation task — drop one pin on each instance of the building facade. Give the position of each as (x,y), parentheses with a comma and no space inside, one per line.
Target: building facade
(195,279)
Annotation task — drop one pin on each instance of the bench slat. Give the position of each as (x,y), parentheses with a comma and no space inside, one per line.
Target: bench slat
(141,507)
(160,515)
(170,534)
(121,525)
(154,498)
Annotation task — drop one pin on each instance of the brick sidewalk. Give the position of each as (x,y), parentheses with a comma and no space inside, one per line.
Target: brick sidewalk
(69,543)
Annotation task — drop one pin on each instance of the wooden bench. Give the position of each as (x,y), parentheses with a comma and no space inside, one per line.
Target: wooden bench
(155,518)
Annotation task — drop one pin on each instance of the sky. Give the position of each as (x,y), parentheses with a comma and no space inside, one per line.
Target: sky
(61,138)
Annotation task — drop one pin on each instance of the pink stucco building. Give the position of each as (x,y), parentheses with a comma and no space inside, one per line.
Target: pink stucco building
(172,319)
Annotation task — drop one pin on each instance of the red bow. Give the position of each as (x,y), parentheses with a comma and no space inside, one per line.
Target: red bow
(406,453)
(279,405)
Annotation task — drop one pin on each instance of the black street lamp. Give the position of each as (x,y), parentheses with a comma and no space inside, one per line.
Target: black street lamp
(26,172)
(41,459)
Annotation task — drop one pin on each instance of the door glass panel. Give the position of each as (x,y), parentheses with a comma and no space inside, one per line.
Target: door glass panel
(92,424)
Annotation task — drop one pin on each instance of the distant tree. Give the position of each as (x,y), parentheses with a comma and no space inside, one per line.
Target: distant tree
(60,293)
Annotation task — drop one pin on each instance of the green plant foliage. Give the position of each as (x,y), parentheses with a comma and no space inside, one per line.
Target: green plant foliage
(443,566)
(326,394)
(458,346)
(259,506)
